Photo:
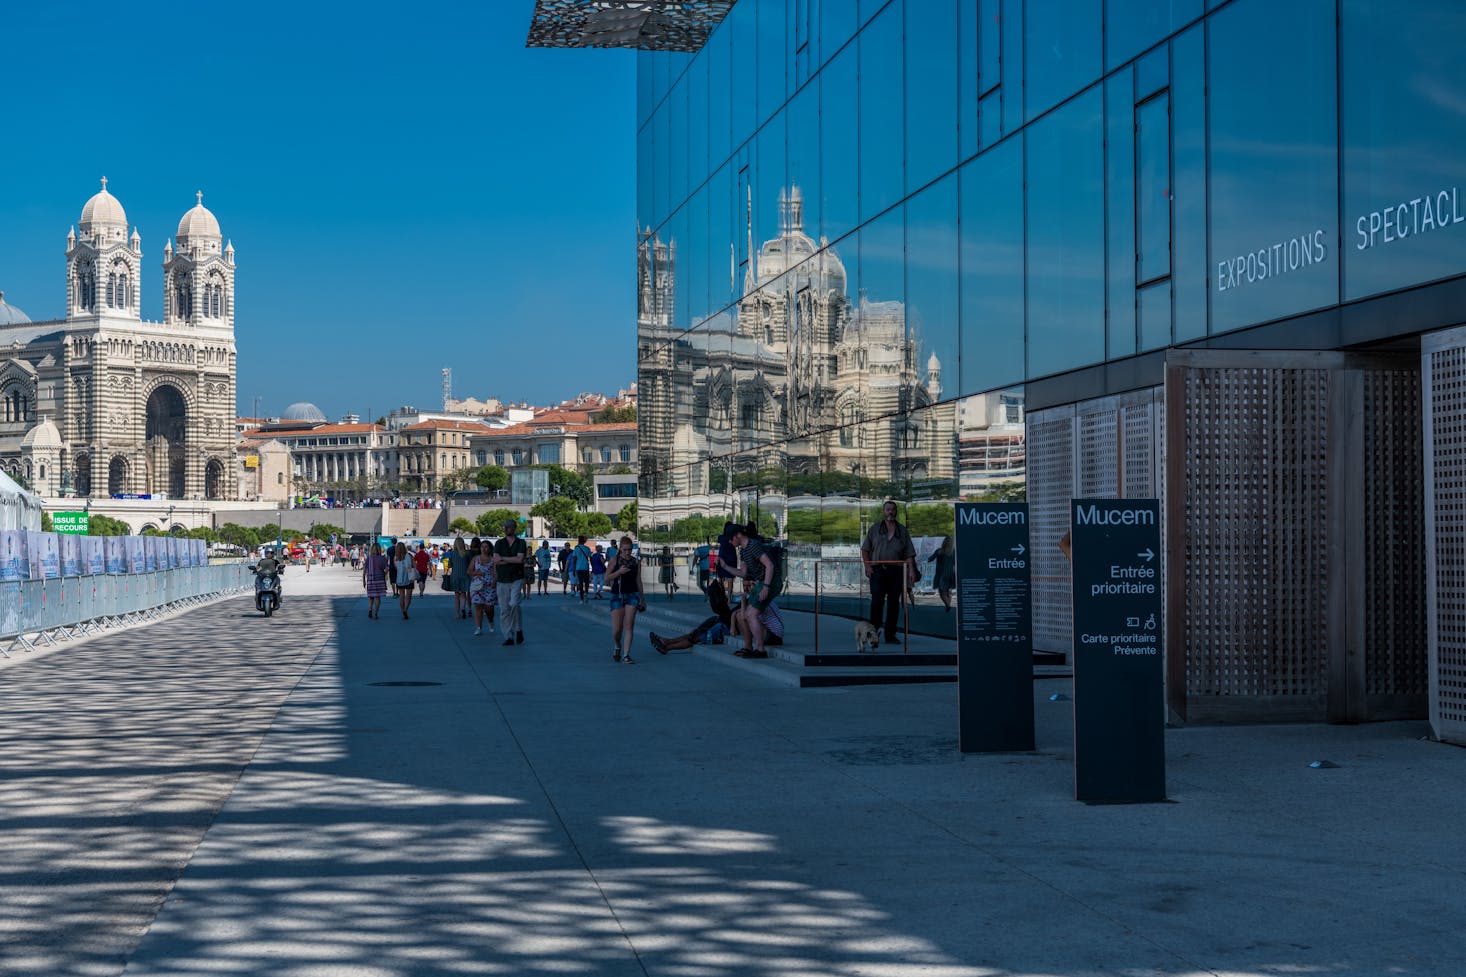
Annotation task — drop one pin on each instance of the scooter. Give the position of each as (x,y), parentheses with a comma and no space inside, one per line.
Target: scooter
(267,590)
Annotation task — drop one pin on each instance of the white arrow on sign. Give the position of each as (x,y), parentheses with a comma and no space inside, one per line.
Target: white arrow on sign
(1018,549)
(1147,555)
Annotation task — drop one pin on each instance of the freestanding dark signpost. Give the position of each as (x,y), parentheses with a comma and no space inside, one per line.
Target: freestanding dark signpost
(994,628)
(1119,725)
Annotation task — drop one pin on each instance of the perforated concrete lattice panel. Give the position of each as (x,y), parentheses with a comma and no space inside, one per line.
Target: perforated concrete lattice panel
(1294,580)
(1104,448)
(1444,386)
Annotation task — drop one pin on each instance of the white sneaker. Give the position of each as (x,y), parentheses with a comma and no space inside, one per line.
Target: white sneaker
(477,632)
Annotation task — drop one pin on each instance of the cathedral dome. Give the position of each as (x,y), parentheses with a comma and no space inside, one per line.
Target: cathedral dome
(43,435)
(303,412)
(10,315)
(103,208)
(199,222)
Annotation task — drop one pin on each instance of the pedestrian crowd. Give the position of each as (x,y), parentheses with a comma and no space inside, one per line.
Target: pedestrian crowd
(491,578)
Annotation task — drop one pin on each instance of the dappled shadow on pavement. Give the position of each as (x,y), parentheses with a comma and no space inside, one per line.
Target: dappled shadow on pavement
(115,755)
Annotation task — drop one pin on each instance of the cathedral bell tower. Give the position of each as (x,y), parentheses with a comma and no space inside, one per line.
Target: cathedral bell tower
(102,261)
(198,278)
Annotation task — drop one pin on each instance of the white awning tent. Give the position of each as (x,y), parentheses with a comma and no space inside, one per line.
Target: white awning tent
(19,509)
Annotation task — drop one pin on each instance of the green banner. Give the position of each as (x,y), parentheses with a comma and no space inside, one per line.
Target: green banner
(75,523)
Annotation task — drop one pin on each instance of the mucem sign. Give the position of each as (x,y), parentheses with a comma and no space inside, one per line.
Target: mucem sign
(994,628)
(1119,723)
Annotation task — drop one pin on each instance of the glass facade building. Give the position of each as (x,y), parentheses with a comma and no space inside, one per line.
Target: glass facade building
(946,249)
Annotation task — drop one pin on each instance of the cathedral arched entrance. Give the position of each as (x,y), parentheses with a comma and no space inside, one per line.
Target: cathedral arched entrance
(117,475)
(214,479)
(82,472)
(165,434)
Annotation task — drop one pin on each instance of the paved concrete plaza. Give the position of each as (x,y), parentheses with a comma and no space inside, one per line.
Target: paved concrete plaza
(221,794)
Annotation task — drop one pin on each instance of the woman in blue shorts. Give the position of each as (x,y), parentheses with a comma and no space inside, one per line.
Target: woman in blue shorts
(624,578)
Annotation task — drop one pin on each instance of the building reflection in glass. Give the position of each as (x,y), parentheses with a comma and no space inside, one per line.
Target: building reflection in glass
(811,400)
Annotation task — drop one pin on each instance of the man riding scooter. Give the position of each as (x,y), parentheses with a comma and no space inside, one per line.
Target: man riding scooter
(268,572)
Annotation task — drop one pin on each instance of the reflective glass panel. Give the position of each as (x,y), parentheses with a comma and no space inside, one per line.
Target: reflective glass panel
(837,25)
(1120,204)
(1404,138)
(742,21)
(1153,188)
(1155,316)
(770,179)
(1188,185)
(882,107)
(720,239)
(989,44)
(1063,51)
(719,55)
(804,153)
(933,296)
(1131,26)
(773,56)
(931,90)
(1066,237)
(677,145)
(1011,26)
(967,83)
(991,446)
(693,258)
(839,145)
(992,268)
(697,122)
(1274,163)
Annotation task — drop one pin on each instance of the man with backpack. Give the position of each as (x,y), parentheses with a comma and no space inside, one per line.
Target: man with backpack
(580,557)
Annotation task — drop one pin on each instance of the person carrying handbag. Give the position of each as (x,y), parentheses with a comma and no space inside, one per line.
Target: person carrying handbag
(406,575)
(624,578)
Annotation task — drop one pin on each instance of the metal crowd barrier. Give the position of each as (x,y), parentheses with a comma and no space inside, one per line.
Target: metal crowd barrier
(34,613)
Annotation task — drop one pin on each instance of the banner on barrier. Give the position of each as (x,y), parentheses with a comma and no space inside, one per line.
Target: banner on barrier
(136,559)
(114,554)
(48,545)
(93,555)
(150,553)
(70,554)
(12,552)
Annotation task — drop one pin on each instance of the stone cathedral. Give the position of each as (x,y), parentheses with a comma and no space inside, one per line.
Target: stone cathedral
(104,403)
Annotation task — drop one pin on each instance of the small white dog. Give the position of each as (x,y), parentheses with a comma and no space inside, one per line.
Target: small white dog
(867,638)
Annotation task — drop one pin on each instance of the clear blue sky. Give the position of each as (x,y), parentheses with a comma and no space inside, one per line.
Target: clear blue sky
(406,185)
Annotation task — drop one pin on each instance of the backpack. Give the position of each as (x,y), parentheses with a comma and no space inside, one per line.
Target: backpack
(780,556)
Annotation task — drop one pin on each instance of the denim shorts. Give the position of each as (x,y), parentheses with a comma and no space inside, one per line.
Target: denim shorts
(619,601)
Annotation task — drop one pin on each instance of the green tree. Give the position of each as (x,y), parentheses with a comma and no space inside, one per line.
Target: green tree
(492,478)
(626,518)
(562,515)
(614,415)
(595,524)
(565,482)
(619,470)
(462,525)
(491,523)
(46,526)
(236,535)
(204,533)
(99,525)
